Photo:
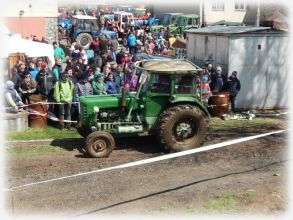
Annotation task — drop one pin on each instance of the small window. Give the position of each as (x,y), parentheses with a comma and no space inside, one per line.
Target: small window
(239,6)
(161,84)
(184,84)
(218,5)
(189,21)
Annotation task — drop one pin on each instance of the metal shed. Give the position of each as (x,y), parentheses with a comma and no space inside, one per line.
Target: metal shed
(258,54)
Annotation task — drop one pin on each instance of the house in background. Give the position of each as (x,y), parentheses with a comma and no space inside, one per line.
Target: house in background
(258,54)
(232,11)
(29,18)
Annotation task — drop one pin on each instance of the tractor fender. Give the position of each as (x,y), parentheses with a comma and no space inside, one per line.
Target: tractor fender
(174,100)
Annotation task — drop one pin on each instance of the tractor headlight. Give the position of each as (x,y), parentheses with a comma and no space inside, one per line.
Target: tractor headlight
(96,109)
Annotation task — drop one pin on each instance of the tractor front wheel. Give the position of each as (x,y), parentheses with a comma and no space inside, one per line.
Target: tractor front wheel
(99,144)
(84,39)
(182,127)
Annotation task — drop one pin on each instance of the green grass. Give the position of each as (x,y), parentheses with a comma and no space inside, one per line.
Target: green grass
(228,203)
(48,132)
(30,152)
(216,124)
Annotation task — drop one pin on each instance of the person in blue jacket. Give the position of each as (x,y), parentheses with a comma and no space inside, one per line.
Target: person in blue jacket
(111,85)
(131,43)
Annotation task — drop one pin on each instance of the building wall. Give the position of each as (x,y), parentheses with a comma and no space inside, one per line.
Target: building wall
(29,8)
(199,46)
(30,18)
(260,61)
(263,71)
(228,14)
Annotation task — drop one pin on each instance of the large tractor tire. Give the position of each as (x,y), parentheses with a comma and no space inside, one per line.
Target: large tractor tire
(83,130)
(100,144)
(84,39)
(182,127)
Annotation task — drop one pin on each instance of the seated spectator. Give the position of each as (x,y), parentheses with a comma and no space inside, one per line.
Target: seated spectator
(12,98)
(111,86)
(99,87)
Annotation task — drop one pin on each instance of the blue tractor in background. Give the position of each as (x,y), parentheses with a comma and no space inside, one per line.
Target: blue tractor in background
(84,28)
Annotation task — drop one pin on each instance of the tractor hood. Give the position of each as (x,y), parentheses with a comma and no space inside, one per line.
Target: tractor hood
(100,101)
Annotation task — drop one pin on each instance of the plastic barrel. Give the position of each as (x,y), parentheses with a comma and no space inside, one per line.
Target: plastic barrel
(219,104)
(35,120)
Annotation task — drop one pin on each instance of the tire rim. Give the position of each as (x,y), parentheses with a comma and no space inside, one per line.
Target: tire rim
(99,145)
(184,129)
(84,41)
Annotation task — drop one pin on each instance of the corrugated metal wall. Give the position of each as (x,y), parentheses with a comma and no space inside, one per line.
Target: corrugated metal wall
(262,70)
(260,60)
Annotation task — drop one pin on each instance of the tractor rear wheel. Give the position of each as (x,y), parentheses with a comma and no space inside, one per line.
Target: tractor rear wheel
(99,144)
(182,127)
(84,39)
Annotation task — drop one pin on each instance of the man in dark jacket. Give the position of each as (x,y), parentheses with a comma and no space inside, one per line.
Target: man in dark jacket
(233,86)
(46,81)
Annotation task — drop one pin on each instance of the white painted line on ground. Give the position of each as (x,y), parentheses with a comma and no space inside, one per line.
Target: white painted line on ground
(155,159)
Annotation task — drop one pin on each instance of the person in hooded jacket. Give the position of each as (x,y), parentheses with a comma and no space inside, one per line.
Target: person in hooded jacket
(233,86)
(99,87)
(45,82)
(27,86)
(12,98)
(63,94)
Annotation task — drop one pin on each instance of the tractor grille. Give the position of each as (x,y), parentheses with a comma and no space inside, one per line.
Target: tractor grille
(83,111)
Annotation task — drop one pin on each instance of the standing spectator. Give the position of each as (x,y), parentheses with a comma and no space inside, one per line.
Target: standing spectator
(119,76)
(111,86)
(57,68)
(233,86)
(31,68)
(12,98)
(27,86)
(99,87)
(103,46)
(35,39)
(95,46)
(83,87)
(43,40)
(114,47)
(208,59)
(131,81)
(39,63)
(17,77)
(203,88)
(63,93)
(58,51)
(83,55)
(76,52)
(217,81)
(45,83)
(131,43)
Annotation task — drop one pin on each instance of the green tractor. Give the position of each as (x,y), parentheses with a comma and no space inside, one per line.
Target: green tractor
(166,104)
(169,20)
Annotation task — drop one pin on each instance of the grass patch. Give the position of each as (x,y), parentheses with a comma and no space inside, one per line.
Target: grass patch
(48,132)
(217,124)
(30,152)
(228,203)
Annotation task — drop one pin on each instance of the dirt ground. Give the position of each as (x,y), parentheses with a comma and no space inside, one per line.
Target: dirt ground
(245,178)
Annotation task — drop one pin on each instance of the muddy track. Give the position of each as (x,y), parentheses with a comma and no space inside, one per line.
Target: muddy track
(168,186)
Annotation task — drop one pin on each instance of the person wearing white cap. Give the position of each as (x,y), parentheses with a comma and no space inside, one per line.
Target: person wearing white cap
(217,80)
(12,98)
